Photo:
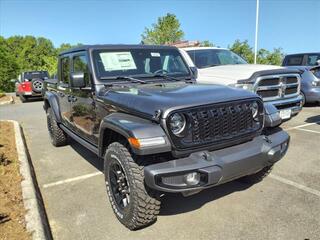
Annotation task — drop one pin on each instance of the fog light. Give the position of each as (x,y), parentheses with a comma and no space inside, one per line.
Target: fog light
(192,179)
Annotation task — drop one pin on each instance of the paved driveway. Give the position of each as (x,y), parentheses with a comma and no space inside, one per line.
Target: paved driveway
(286,205)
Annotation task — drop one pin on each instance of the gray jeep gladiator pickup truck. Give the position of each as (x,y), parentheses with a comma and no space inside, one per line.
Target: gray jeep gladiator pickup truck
(140,110)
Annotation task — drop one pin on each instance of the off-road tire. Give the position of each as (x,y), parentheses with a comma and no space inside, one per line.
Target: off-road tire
(143,207)
(257,177)
(23,98)
(57,135)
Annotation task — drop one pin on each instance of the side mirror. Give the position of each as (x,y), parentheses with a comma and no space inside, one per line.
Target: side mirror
(194,71)
(77,80)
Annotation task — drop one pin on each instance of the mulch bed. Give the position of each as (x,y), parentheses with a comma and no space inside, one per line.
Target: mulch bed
(12,221)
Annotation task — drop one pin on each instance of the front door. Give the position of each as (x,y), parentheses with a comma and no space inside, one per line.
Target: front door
(83,108)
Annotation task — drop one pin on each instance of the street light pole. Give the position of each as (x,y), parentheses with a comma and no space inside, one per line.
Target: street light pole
(256,36)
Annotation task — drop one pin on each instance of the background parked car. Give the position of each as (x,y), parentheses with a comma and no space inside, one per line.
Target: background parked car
(276,85)
(309,65)
(30,84)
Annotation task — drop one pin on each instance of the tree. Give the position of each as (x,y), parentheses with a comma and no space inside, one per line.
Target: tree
(275,57)
(243,49)
(8,67)
(206,43)
(165,31)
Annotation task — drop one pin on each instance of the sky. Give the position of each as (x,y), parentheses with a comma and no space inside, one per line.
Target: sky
(292,25)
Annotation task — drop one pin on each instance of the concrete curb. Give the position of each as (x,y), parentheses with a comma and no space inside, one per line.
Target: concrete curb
(8,102)
(36,220)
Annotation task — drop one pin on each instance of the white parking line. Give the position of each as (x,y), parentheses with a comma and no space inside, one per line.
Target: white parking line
(296,185)
(71,179)
(308,130)
(303,125)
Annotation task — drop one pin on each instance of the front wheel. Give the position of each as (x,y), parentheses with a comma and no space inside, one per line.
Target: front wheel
(57,135)
(257,177)
(130,200)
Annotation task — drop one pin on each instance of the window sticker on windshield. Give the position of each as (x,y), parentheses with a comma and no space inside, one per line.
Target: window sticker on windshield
(113,61)
(155,54)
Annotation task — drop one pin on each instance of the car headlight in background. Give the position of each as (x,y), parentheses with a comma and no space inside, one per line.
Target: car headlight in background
(177,123)
(246,86)
(255,110)
(316,83)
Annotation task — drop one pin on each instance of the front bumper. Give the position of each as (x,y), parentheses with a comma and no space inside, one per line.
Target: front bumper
(294,104)
(312,95)
(218,166)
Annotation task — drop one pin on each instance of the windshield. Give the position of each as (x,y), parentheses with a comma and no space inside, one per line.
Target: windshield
(111,64)
(32,75)
(214,57)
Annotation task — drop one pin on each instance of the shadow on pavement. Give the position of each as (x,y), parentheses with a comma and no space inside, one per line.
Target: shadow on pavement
(176,204)
(313,119)
(93,159)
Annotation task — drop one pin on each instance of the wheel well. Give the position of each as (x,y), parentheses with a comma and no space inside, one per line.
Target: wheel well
(109,136)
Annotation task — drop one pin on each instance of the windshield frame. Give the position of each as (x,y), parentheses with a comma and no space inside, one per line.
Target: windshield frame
(145,77)
(189,52)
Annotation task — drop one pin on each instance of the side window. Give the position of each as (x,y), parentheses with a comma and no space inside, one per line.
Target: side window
(65,70)
(294,60)
(80,64)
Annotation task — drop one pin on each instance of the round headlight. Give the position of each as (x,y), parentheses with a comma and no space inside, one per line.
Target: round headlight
(177,123)
(254,110)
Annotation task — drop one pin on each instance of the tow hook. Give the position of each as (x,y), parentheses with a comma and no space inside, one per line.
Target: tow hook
(267,139)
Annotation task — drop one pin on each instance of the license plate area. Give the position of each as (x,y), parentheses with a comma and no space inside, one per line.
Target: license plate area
(285,113)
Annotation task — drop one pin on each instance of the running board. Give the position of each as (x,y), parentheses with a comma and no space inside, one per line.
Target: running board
(78,139)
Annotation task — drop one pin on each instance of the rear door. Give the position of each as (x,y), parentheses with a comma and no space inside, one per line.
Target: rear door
(63,89)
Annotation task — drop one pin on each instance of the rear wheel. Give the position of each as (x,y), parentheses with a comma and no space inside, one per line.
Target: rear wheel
(132,203)
(257,177)
(57,135)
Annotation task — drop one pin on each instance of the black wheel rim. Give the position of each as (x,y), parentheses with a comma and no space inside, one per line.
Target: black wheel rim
(119,185)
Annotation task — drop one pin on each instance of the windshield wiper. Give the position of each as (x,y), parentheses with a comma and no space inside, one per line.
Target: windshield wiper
(165,76)
(131,79)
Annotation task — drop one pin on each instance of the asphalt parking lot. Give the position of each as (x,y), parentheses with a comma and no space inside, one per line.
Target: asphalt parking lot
(286,205)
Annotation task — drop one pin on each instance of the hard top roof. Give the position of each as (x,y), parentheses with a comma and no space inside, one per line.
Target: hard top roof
(115,46)
(308,53)
(202,48)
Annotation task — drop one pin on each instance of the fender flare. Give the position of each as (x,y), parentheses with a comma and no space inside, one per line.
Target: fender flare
(131,126)
(52,99)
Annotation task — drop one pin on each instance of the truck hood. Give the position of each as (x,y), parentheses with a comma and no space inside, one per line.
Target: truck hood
(230,74)
(148,98)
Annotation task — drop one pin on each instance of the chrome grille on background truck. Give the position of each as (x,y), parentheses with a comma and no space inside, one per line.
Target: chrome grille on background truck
(275,87)
(219,124)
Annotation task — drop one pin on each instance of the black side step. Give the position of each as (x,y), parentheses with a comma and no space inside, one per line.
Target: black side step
(80,140)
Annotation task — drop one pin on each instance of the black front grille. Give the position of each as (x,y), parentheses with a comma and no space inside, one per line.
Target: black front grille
(268,93)
(290,80)
(218,124)
(269,82)
(292,90)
